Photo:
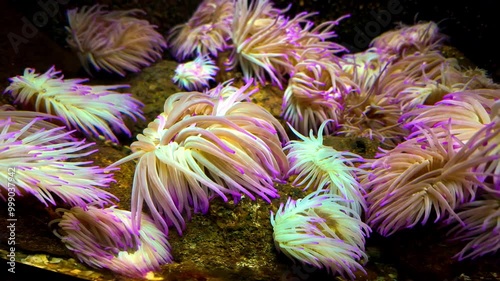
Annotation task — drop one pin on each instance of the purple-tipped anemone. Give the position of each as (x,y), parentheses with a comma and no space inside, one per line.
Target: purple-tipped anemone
(105,238)
(315,92)
(94,110)
(364,68)
(372,115)
(480,228)
(324,168)
(207,31)
(114,41)
(467,112)
(419,37)
(42,162)
(267,44)
(204,145)
(429,176)
(320,231)
(195,75)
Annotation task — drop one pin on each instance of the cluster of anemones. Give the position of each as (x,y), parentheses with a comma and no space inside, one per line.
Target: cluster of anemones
(438,124)
(204,36)
(438,175)
(473,122)
(41,160)
(369,94)
(400,71)
(94,110)
(446,168)
(115,41)
(267,44)
(364,92)
(439,127)
(324,229)
(477,221)
(205,144)
(264,43)
(416,177)
(45,155)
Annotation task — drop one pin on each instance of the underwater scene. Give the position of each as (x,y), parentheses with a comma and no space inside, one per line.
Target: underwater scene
(226,140)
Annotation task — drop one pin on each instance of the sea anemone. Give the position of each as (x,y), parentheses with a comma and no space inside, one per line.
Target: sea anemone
(364,68)
(408,39)
(372,115)
(423,93)
(315,93)
(323,168)
(41,161)
(471,78)
(94,110)
(196,74)
(22,118)
(320,231)
(373,109)
(433,171)
(466,111)
(207,31)
(105,238)
(203,145)
(115,41)
(313,40)
(413,70)
(467,119)
(264,41)
(424,90)
(481,228)
(369,110)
